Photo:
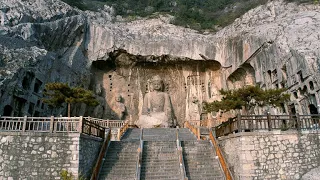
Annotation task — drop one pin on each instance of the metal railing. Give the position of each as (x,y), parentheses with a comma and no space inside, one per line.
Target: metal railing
(268,122)
(107,123)
(139,156)
(180,155)
(51,124)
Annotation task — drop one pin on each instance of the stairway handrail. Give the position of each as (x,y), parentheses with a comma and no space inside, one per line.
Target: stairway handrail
(122,130)
(194,130)
(97,167)
(139,158)
(222,160)
(181,160)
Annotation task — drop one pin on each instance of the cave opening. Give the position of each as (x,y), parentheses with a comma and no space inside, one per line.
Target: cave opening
(37,86)
(27,80)
(19,105)
(7,111)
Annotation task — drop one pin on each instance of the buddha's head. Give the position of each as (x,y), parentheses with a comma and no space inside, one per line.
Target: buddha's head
(118,98)
(194,99)
(156,83)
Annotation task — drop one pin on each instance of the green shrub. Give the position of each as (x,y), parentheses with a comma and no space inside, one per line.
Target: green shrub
(65,175)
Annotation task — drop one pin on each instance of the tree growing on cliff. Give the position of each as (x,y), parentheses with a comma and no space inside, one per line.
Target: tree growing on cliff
(247,97)
(58,93)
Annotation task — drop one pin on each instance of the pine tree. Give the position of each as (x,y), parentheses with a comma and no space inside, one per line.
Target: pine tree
(247,97)
(59,93)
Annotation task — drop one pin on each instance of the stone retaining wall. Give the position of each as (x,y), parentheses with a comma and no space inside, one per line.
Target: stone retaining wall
(271,155)
(88,154)
(45,155)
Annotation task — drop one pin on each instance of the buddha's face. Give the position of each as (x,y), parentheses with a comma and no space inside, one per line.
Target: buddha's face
(118,98)
(194,100)
(157,85)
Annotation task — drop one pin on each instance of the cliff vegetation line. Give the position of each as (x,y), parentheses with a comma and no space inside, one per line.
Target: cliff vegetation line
(195,14)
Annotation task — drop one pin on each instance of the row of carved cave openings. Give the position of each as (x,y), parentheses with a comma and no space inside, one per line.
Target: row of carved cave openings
(19,105)
(303,91)
(27,82)
(296,78)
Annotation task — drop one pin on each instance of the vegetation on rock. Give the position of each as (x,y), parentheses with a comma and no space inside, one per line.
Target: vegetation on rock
(66,175)
(196,14)
(59,93)
(205,14)
(247,97)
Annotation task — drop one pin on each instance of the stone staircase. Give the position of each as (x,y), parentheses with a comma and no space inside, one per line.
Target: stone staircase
(160,157)
(200,161)
(120,161)
(132,134)
(160,160)
(186,135)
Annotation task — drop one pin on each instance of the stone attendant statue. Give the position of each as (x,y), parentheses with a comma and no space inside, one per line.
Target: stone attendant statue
(194,109)
(156,110)
(119,107)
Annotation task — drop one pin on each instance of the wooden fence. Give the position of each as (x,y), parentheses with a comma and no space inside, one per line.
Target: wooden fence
(51,124)
(122,130)
(222,160)
(98,165)
(268,122)
(201,123)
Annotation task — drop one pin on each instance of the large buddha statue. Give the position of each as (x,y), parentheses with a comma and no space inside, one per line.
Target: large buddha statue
(156,110)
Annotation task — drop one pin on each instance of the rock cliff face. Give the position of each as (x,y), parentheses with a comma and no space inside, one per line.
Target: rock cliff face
(275,45)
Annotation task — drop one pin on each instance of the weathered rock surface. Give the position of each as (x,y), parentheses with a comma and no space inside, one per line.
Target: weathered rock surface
(275,45)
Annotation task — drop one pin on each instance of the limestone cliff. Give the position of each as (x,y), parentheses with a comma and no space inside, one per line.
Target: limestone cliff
(275,45)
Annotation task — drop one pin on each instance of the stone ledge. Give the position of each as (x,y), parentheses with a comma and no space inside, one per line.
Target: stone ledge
(39,134)
(91,137)
(264,133)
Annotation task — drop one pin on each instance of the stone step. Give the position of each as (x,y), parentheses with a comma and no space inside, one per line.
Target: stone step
(159,177)
(120,164)
(125,171)
(170,174)
(204,178)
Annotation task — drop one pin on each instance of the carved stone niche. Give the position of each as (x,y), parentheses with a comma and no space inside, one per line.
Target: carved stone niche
(27,80)
(244,75)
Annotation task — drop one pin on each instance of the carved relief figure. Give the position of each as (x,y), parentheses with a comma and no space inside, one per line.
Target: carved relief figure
(156,110)
(194,109)
(119,108)
(99,109)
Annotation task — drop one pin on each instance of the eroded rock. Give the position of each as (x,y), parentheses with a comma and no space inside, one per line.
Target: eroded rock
(275,45)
